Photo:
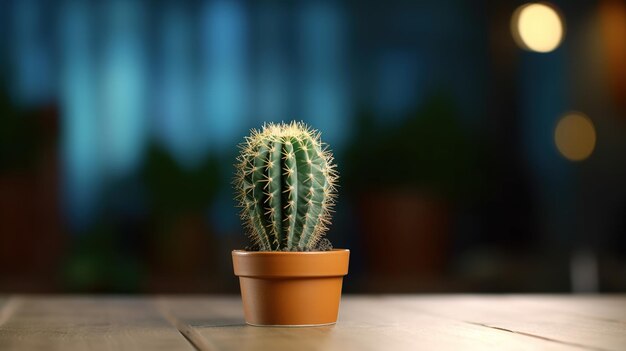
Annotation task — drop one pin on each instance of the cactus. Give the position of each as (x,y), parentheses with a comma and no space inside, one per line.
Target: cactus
(286,186)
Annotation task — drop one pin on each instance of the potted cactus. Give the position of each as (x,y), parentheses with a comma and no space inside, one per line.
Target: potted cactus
(286,187)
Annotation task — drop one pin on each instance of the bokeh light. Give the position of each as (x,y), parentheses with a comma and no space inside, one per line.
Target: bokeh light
(575,136)
(537,27)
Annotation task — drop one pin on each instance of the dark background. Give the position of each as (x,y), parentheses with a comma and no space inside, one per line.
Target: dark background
(119,122)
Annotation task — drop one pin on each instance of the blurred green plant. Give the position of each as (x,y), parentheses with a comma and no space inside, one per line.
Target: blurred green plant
(180,239)
(123,250)
(99,262)
(173,189)
(428,150)
(20,137)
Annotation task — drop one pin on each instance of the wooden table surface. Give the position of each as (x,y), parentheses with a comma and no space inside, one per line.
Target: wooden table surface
(388,322)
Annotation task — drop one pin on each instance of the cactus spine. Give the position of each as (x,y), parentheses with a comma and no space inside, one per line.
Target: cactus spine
(286,186)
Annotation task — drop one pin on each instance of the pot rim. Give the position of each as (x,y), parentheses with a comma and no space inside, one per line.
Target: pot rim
(286,264)
(278,253)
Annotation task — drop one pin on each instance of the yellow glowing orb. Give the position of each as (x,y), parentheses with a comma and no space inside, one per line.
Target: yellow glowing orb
(575,136)
(537,27)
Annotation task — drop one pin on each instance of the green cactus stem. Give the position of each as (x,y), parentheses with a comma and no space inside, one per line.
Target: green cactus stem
(286,186)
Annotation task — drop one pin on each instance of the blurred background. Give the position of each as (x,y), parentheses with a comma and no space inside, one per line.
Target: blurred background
(481,144)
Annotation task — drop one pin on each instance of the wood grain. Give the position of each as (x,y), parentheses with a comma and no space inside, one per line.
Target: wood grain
(435,322)
(86,323)
(366,323)
(8,305)
(587,322)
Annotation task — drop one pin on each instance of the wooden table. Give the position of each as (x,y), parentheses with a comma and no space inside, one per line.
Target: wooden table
(400,322)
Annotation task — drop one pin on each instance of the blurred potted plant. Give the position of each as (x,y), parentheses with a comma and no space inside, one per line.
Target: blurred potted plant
(285,183)
(100,260)
(180,234)
(404,185)
(30,226)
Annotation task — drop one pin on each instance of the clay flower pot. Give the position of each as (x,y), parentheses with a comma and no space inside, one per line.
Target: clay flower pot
(290,288)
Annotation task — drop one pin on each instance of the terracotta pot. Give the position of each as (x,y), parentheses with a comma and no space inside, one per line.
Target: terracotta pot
(417,227)
(291,288)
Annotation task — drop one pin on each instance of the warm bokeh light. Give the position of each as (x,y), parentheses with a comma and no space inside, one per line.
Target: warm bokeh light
(575,136)
(537,27)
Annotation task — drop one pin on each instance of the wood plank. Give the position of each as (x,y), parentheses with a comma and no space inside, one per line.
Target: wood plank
(88,323)
(3,301)
(594,323)
(604,307)
(366,323)
(8,306)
